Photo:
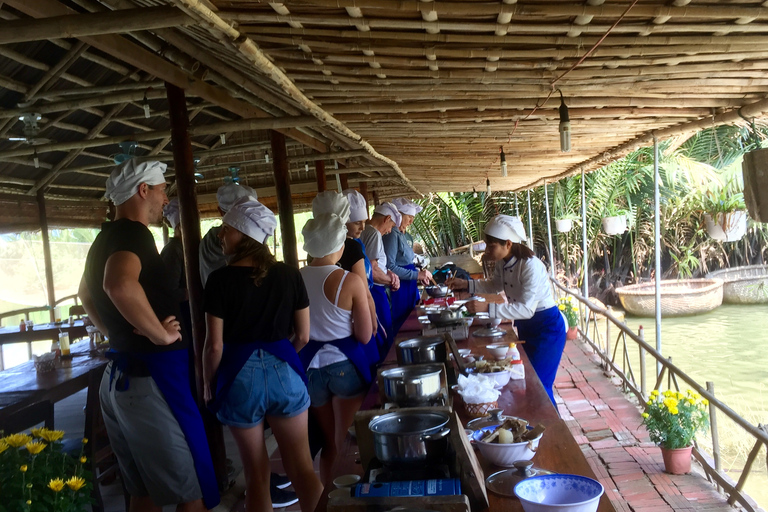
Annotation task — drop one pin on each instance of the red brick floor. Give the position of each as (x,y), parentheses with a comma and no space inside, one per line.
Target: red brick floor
(608,427)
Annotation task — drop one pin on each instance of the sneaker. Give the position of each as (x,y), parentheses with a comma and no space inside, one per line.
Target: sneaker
(279,481)
(281,498)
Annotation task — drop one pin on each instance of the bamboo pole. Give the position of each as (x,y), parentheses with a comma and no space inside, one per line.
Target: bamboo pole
(549,233)
(320,175)
(657,244)
(50,291)
(284,200)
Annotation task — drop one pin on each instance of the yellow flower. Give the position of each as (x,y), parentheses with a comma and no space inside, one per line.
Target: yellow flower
(704,401)
(691,401)
(23,468)
(56,485)
(670,403)
(645,415)
(3,446)
(29,502)
(76,483)
(52,435)
(35,447)
(17,440)
(673,410)
(561,307)
(85,440)
(83,459)
(29,486)
(655,392)
(668,393)
(36,431)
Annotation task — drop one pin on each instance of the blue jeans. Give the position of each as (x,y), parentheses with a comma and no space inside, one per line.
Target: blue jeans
(338,379)
(266,386)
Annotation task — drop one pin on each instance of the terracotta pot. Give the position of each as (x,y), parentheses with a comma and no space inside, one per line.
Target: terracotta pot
(572,334)
(678,461)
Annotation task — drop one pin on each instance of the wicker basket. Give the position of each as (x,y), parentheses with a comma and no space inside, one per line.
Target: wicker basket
(45,363)
(678,298)
(744,285)
(479,410)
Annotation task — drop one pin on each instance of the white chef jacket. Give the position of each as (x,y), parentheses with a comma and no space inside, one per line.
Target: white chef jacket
(526,284)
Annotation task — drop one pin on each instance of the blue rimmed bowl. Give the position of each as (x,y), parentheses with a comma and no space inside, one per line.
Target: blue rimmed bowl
(561,493)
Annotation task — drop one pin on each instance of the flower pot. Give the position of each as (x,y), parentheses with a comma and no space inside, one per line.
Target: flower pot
(572,334)
(727,227)
(615,225)
(677,461)
(563,225)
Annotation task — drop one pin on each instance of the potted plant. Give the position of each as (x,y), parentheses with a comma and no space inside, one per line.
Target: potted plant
(37,476)
(673,419)
(725,217)
(615,221)
(571,314)
(565,223)
(565,196)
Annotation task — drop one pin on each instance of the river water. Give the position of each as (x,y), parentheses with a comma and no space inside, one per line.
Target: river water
(729,347)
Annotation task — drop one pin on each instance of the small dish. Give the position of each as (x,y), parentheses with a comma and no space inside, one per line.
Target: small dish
(346,481)
(465,352)
(498,350)
(340,493)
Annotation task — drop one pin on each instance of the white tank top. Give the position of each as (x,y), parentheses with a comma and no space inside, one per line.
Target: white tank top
(327,321)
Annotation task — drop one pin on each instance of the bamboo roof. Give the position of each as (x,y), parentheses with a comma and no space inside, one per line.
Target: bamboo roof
(408,96)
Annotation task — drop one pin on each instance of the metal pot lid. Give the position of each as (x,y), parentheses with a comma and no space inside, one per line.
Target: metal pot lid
(503,482)
(422,341)
(494,417)
(414,371)
(408,422)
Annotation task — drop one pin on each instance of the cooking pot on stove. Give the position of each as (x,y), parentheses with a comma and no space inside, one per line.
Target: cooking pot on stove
(408,438)
(437,290)
(412,385)
(446,317)
(422,349)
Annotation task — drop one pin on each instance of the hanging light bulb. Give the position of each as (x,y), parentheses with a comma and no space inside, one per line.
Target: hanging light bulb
(223,138)
(146,106)
(306,167)
(488,186)
(266,156)
(503,160)
(474,192)
(565,126)
(37,160)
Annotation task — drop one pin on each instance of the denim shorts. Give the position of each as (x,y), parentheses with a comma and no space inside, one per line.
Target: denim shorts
(338,379)
(266,386)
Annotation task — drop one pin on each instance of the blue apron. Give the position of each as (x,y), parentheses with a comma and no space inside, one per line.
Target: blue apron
(234,357)
(384,335)
(368,268)
(349,346)
(544,336)
(371,349)
(170,371)
(404,300)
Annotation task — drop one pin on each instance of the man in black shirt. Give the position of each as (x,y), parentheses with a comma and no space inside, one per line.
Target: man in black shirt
(152,420)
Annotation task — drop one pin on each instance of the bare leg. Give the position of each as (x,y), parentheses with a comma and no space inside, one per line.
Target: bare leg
(293,440)
(192,506)
(325,417)
(253,453)
(344,410)
(143,504)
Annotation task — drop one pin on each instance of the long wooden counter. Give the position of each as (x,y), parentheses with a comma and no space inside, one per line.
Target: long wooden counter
(558,450)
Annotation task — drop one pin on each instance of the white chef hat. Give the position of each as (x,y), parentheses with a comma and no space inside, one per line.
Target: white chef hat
(358,207)
(506,227)
(252,219)
(331,201)
(125,179)
(407,206)
(391,210)
(227,195)
(324,235)
(172,213)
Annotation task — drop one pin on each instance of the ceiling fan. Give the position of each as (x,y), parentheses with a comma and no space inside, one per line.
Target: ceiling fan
(29,131)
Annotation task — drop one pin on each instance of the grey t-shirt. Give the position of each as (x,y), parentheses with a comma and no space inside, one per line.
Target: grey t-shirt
(374,247)
(211,255)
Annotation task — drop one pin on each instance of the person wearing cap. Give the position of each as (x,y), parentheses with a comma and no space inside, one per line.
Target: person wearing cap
(173,252)
(398,246)
(385,217)
(351,207)
(524,280)
(338,369)
(152,419)
(257,319)
(211,256)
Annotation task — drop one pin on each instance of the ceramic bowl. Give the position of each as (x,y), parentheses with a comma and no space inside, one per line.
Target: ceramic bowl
(340,493)
(346,481)
(465,352)
(498,350)
(501,378)
(504,455)
(563,493)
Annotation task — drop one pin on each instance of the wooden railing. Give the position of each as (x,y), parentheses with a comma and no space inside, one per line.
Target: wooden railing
(608,353)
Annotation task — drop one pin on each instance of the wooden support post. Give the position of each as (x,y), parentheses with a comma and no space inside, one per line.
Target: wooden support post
(344,179)
(284,201)
(364,192)
(320,176)
(46,253)
(190,229)
(376,201)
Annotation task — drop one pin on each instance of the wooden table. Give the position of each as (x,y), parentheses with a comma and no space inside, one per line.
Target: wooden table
(558,450)
(42,332)
(21,385)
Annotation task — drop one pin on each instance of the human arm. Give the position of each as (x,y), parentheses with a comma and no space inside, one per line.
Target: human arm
(359,270)
(212,351)
(532,279)
(121,284)
(300,328)
(90,307)
(362,325)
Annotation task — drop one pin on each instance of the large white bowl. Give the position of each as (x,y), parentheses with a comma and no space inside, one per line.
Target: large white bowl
(498,350)
(504,455)
(561,493)
(501,378)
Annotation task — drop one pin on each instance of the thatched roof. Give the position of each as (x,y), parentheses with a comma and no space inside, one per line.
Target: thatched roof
(409,96)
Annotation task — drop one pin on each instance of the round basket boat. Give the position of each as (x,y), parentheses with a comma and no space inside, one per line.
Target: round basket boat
(678,298)
(744,285)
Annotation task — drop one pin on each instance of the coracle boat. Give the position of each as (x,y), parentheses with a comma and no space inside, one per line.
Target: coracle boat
(678,298)
(744,285)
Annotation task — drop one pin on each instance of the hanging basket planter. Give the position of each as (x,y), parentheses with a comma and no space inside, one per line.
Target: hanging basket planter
(615,225)
(563,225)
(727,227)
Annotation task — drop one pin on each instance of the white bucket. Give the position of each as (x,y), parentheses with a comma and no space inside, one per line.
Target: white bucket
(615,225)
(563,225)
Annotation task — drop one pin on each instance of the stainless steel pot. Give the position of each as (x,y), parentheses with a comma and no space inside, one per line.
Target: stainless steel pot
(412,385)
(446,317)
(422,349)
(406,438)
(438,290)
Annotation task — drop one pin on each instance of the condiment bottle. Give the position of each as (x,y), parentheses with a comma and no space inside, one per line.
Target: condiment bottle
(55,348)
(22,326)
(64,342)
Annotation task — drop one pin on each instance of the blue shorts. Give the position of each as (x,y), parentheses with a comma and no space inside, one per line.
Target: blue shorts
(266,386)
(338,379)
